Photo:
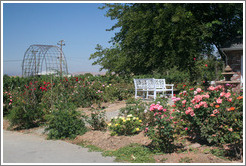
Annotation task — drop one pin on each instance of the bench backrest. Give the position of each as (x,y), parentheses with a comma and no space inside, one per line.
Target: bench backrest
(145,83)
(160,84)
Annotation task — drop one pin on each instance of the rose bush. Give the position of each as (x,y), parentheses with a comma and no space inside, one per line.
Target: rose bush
(161,129)
(27,111)
(215,115)
(128,125)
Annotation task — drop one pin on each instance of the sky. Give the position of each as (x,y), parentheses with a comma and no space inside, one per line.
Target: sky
(81,25)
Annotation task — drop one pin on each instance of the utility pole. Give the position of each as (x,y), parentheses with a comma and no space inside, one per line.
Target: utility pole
(61,44)
(34,53)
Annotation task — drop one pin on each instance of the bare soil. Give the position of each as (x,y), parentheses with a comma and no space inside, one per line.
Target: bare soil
(194,153)
(107,107)
(105,141)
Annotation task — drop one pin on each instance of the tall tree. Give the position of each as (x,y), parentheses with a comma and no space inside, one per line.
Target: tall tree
(154,37)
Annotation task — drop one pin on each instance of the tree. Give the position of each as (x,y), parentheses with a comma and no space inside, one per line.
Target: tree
(223,20)
(155,37)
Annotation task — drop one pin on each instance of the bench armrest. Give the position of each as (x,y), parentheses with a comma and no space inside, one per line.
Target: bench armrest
(169,84)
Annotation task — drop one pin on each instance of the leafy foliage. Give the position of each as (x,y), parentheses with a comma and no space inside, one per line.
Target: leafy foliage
(26,111)
(129,125)
(214,115)
(133,153)
(97,120)
(65,122)
(25,115)
(161,129)
(156,37)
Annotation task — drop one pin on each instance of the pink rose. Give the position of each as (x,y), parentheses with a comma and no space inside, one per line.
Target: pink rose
(230,129)
(175,99)
(197,106)
(230,99)
(198,98)
(211,88)
(152,108)
(222,94)
(186,128)
(219,101)
(192,113)
(227,95)
(184,101)
(152,105)
(205,105)
(215,111)
(160,108)
(187,112)
(198,90)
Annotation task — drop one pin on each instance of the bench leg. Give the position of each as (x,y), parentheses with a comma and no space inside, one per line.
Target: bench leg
(136,92)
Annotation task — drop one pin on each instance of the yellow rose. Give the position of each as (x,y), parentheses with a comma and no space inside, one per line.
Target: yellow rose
(116,124)
(137,118)
(137,129)
(124,120)
(140,121)
(109,124)
(128,119)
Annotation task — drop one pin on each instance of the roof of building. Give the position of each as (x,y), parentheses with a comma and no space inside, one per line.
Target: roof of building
(234,44)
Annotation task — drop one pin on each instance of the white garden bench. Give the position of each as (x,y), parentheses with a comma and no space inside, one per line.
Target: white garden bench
(152,85)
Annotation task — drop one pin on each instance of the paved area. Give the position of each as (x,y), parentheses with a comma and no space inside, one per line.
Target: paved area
(29,148)
(33,148)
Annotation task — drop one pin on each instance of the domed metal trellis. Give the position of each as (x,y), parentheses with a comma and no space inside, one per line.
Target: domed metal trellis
(44,59)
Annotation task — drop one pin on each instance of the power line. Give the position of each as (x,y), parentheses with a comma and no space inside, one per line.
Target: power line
(12,61)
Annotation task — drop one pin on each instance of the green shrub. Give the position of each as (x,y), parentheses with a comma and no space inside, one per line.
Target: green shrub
(160,130)
(8,100)
(27,111)
(25,115)
(97,120)
(215,115)
(65,122)
(125,126)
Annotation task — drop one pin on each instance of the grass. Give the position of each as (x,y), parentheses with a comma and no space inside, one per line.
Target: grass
(185,160)
(92,148)
(219,153)
(206,151)
(133,153)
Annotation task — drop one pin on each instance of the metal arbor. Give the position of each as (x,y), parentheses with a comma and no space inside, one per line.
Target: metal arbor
(42,60)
